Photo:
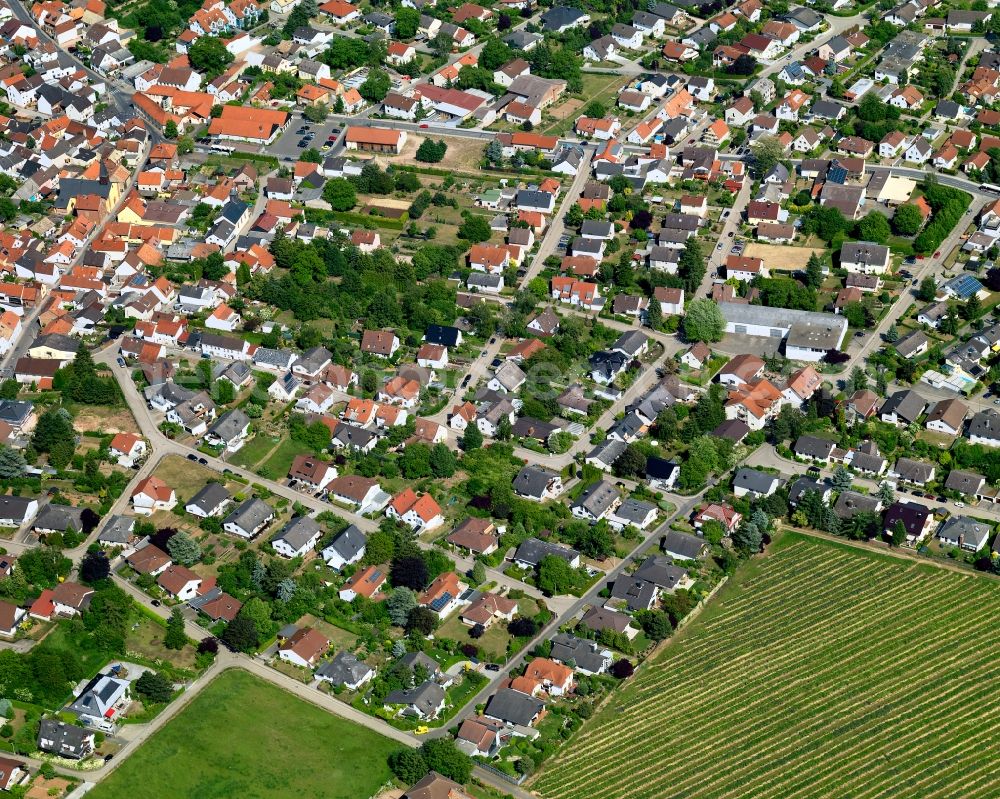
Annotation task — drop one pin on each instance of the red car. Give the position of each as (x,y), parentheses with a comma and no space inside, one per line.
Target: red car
(937,254)
(424,125)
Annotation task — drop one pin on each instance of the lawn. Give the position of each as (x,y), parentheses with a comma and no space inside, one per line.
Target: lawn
(184,476)
(820,670)
(244,737)
(255,450)
(276,467)
(146,637)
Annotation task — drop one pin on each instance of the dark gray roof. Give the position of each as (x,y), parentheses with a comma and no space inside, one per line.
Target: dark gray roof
(914,471)
(608,364)
(597,227)
(15,412)
(804,17)
(513,707)
(118,529)
(521,39)
(532,481)
(532,550)
(558,16)
(170,391)
(97,697)
(59,517)
(804,485)
(210,497)
(250,515)
(582,651)
(684,545)
(533,198)
(58,341)
(985,424)
(229,426)
(850,503)
(349,544)
(442,334)
(634,510)
(637,594)
(68,740)
(964,482)
(297,532)
(755,481)
(864,253)
(907,405)
(813,447)
(14,507)
(661,572)
(827,109)
(353,436)
(313,359)
(608,451)
(413,659)
(426,697)
(660,468)
(343,668)
(273,357)
(597,498)
(630,343)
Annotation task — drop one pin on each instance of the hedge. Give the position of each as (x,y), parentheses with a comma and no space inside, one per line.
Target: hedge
(949,207)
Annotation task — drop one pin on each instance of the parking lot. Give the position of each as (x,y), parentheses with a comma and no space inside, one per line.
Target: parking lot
(302,135)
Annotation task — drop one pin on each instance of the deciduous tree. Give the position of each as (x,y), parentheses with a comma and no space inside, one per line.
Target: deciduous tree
(704,321)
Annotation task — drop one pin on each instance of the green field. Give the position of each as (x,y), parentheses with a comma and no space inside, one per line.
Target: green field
(819,671)
(242,737)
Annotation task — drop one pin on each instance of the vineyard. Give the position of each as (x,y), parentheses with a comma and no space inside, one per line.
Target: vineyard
(819,671)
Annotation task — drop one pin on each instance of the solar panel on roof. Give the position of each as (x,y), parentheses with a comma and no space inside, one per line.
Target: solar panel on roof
(441,601)
(837,174)
(965,286)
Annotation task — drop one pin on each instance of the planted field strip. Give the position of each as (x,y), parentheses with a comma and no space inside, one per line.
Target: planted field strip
(819,671)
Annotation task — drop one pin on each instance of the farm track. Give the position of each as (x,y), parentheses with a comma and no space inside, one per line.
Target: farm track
(826,673)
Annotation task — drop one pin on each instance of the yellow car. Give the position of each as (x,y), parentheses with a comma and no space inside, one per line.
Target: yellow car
(423,729)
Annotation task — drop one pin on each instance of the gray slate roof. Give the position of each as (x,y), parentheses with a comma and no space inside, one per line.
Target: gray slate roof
(117,530)
(343,668)
(684,545)
(513,707)
(59,517)
(210,497)
(250,515)
(229,426)
(531,481)
(585,653)
(597,498)
(532,551)
(349,543)
(755,481)
(426,697)
(297,532)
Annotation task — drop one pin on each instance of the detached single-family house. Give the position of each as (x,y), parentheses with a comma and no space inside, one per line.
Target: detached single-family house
(297,538)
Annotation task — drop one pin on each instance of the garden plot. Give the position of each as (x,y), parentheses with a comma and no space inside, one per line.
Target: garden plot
(818,671)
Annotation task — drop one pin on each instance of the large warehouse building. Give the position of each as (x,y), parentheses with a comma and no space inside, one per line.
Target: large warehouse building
(808,335)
